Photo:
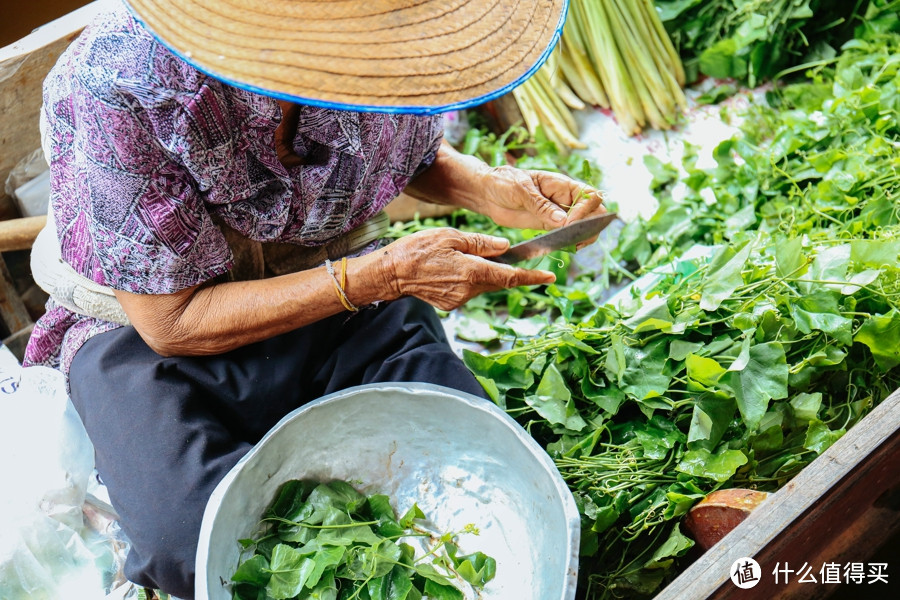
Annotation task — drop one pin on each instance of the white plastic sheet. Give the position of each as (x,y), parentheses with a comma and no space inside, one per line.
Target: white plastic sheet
(48,550)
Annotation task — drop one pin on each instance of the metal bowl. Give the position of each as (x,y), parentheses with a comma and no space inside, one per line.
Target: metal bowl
(460,458)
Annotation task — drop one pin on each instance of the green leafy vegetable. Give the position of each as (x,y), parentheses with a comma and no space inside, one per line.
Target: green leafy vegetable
(752,40)
(330,542)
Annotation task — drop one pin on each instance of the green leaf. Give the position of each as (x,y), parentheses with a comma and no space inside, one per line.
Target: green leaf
(366,562)
(769,436)
(827,357)
(383,512)
(633,243)
(396,585)
(719,467)
(653,324)
(436,591)
(740,221)
(704,370)
(553,401)
(711,417)
(410,516)
(477,568)
(820,311)
(290,500)
(789,258)
(721,60)
(644,374)
(658,436)
(677,544)
(475,327)
(384,556)
(428,571)
(806,406)
(644,582)
(663,173)
(326,589)
(701,425)
(764,378)
(344,536)
(671,9)
(881,333)
(615,359)
(604,518)
(337,494)
(508,371)
(490,387)
(609,399)
(724,276)
(717,94)
(253,570)
(290,570)
(678,349)
(681,495)
(857,280)
(819,437)
(875,253)
(830,264)
(326,558)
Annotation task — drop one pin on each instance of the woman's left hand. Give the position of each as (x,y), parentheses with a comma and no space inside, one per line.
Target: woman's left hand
(538,199)
(511,197)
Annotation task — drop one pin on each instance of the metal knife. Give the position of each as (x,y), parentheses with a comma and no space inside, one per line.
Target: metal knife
(562,237)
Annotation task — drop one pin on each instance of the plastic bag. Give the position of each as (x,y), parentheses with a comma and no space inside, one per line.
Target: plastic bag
(47,548)
(29,184)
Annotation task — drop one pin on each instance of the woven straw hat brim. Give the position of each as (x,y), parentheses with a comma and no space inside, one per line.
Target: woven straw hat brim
(388,55)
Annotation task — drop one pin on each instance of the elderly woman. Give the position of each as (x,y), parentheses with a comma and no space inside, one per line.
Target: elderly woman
(218,170)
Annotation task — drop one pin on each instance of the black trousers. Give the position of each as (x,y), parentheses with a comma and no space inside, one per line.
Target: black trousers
(167,430)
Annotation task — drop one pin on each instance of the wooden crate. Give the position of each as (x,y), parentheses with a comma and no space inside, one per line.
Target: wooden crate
(841,508)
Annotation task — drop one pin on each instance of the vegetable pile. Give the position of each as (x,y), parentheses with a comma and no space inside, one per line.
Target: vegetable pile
(753,40)
(766,324)
(735,370)
(820,161)
(329,542)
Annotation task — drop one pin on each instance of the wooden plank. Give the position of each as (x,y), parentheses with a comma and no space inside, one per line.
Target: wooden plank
(838,509)
(23,67)
(19,234)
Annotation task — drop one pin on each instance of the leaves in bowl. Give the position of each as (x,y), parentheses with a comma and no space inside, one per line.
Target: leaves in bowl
(329,542)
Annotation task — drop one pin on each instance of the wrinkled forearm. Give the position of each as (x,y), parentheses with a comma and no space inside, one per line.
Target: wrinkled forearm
(213,319)
(453,179)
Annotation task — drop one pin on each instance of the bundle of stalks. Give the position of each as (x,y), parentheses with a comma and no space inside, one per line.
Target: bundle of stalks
(614,54)
(546,101)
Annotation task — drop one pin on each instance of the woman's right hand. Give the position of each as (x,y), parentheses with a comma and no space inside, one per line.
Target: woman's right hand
(446,267)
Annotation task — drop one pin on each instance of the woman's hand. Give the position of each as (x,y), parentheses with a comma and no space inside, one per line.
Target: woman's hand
(446,267)
(537,199)
(511,197)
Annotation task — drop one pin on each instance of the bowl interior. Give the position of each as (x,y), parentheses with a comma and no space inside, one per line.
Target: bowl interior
(460,458)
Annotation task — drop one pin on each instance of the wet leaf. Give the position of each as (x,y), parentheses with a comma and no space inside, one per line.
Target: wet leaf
(764,378)
(720,466)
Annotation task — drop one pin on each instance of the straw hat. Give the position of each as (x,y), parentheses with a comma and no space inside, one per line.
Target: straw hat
(420,56)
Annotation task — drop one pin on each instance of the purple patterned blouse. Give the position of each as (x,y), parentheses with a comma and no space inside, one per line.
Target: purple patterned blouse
(146,149)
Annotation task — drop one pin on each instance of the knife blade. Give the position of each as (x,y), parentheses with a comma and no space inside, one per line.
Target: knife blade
(566,235)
